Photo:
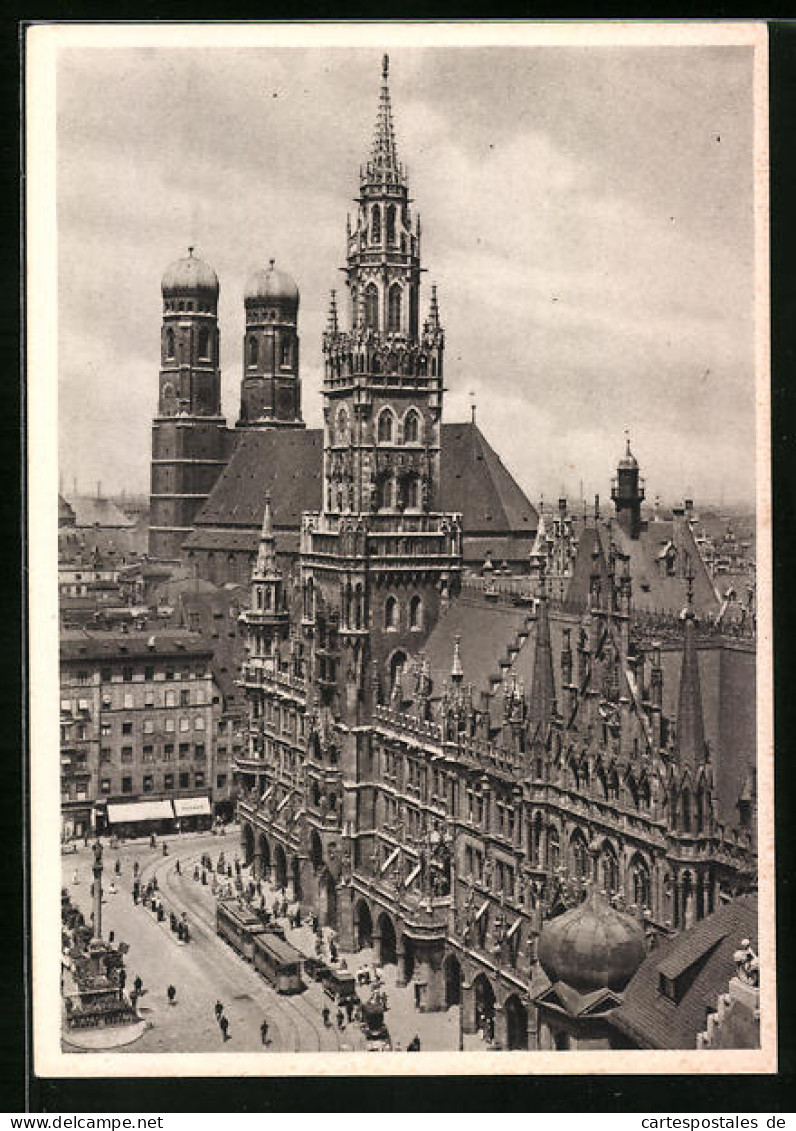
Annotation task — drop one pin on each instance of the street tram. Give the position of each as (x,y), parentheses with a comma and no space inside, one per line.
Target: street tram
(239,926)
(279,963)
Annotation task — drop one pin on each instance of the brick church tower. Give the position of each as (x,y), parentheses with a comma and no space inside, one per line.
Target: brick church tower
(270,395)
(188,433)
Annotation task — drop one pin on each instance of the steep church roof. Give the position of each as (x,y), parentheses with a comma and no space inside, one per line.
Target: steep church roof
(289,464)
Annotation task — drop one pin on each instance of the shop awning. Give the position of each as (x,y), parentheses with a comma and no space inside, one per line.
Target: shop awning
(192,806)
(127,812)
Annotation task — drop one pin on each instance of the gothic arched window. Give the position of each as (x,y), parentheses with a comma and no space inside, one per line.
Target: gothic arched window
(412,427)
(394,308)
(372,306)
(253,351)
(391,613)
(416,613)
(385,427)
(204,343)
(413,492)
(391,224)
(169,343)
(375,224)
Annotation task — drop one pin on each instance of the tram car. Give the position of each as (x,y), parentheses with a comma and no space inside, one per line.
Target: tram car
(239,926)
(279,963)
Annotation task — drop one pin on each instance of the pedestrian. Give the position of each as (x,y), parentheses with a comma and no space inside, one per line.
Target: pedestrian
(171,994)
(75,878)
(349,1009)
(111,937)
(180,932)
(196,872)
(326,1014)
(224,1025)
(264,1031)
(136,869)
(204,879)
(177,868)
(165,849)
(118,866)
(333,950)
(340,1019)
(219,1010)
(138,985)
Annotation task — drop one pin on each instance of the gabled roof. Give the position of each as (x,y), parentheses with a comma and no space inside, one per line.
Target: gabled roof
(702,960)
(486,630)
(91,511)
(289,464)
(652,590)
(575,1004)
(286,462)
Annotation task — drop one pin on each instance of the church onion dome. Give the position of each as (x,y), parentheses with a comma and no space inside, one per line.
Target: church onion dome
(628,462)
(271,285)
(592,947)
(189,275)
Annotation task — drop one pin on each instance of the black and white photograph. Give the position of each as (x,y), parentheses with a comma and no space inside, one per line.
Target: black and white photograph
(399,485)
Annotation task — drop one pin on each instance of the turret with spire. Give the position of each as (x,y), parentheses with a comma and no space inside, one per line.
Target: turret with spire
(542,702)
(690,720)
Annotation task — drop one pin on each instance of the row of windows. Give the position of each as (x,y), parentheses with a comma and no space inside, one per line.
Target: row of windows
(148,753)
(393,614)
(389,226)
(150,783)
(175,305)
(387,427)
(202,344)
(285,353)
(129,674)
(150,726)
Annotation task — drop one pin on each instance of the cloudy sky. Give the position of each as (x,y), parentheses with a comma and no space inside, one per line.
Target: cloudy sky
(587,215)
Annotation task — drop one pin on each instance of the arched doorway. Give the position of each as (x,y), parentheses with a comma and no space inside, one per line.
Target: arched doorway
(248,844)
(516,1023)
(327,900)
(409,958)
(484,1006)
(295,872)
(265,857)
(388,947)
(280,867)
(453,981)
(363,925)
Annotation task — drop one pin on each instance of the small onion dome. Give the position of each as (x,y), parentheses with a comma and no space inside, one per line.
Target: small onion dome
(271,285)
(189,275)
(628,462)
(592,947)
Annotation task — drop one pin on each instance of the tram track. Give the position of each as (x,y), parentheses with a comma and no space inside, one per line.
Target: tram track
(295,1015)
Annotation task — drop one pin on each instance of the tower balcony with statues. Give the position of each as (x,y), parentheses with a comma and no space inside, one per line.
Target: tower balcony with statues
(390,539)
(383,360)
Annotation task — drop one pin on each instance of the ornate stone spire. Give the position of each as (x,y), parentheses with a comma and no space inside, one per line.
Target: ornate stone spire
(457,672)
(384,164)
(690,722)
(332,325)
(266,553)
(543,690)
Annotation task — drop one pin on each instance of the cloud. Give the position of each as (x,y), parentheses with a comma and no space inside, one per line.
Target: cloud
(591,238)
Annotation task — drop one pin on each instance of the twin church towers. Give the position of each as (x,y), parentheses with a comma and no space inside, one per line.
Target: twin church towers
(383,375)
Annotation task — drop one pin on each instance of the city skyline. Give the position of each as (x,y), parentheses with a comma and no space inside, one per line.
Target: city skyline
(549,318)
